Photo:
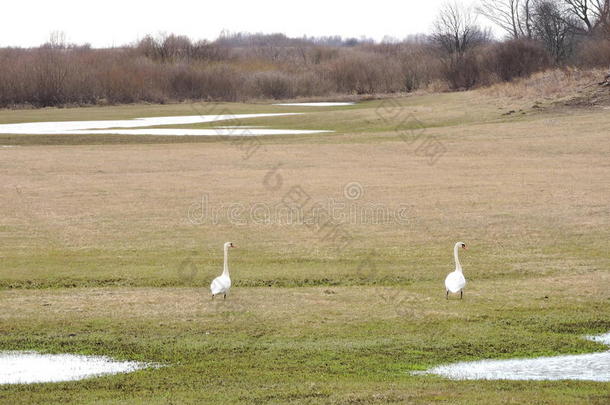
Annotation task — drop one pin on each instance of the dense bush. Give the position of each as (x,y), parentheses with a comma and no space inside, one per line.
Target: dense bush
(275,85)
(242,67)
(595,53)
(516,58)
(461,71)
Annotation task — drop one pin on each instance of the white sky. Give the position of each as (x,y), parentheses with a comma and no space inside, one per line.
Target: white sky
(116,22)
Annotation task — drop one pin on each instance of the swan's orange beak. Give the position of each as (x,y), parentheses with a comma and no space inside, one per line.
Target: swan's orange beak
(465,247)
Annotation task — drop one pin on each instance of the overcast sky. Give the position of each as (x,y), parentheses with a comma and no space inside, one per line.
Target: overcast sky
(117,22)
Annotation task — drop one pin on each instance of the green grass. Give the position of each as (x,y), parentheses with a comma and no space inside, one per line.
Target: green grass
(372,117)
(302,346)
(97,256)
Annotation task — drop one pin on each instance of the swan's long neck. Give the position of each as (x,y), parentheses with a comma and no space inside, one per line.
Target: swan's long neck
(225,270)
(458,266)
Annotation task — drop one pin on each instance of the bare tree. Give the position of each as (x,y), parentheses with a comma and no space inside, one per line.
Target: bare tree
(456,30)
(601,10)
(513,16)
(556,29)
(57,40)
(51,70)
(456,34)
(582,12)
(589,12)
(516,17)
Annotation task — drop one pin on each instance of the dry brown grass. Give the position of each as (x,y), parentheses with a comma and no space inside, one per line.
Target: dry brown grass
(96,196)
(551,84)
(529,194)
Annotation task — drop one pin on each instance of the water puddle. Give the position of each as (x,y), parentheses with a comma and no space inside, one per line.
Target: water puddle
(321,104)
(122,127)
(32,367)
(589,367)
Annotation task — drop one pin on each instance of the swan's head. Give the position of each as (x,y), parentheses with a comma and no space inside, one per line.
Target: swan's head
(229,245)
(462,245)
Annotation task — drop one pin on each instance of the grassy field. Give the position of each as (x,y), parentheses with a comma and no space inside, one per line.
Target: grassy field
(104,249)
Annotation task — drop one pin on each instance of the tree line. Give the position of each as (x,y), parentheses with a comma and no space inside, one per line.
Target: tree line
(458,53)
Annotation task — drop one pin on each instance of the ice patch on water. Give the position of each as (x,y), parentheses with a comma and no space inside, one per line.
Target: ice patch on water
(32,367)
(604,339)
(117,127)
(590,367)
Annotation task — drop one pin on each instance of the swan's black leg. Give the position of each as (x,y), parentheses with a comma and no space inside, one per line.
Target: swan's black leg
(225,296)
(447,295)
(461,294)
(212,296)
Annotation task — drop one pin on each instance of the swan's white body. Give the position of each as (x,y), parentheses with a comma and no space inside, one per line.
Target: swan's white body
(222,283)
(455,280)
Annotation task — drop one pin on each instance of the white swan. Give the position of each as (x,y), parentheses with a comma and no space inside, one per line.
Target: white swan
(222,283)
(455,280)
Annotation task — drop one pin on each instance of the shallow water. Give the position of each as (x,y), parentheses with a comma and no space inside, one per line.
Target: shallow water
(321,104)
(104,127)
(590,367)
(32,367)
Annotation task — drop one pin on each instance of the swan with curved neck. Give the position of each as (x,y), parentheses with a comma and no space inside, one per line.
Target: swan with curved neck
(455,280)
(222,283)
